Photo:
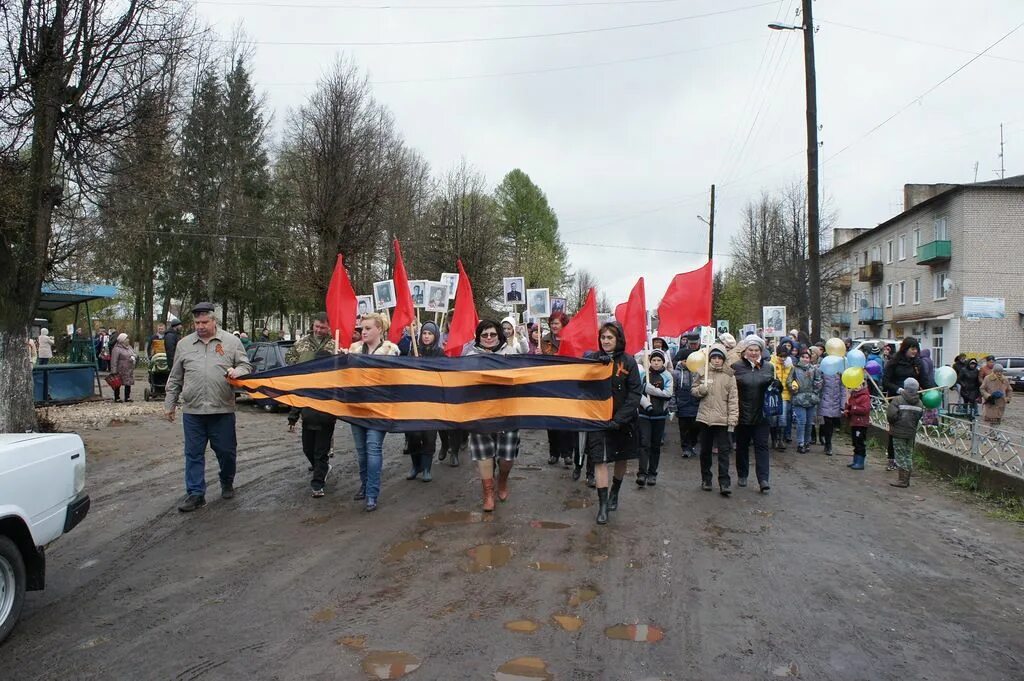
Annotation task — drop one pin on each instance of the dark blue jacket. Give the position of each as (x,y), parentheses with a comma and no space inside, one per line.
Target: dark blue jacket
(686,404)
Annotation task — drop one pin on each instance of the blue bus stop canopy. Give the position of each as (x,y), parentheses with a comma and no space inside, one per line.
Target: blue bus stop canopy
(59,295)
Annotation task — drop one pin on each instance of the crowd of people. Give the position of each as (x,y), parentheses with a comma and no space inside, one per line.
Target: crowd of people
(740,396)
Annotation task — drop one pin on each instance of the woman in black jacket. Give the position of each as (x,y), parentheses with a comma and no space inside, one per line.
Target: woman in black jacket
(420,445)
(970,386)
(753,378)
(619,444)
(906,363)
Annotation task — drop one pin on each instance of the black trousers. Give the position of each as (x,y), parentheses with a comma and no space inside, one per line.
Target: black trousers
(830,425)
(651,434)
(316,445)
(758,436)
(452,440)
(860,440)
(689,431)
(562,443)
(420,446)
(711,437)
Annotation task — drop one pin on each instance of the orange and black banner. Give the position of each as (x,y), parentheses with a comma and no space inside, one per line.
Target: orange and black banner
(483,393)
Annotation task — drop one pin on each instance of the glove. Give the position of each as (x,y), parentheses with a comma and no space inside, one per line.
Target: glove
(794,386)
(731,429)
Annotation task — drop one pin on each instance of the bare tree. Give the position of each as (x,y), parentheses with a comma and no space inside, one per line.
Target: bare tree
(70,74)
(582,282)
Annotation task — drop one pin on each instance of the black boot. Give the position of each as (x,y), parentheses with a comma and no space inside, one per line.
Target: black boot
(602,505)
(426,463)
(415,469)
(576,472)
(454,459)
(613,496)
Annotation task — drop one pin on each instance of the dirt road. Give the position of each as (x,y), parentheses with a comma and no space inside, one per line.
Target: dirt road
(835,575)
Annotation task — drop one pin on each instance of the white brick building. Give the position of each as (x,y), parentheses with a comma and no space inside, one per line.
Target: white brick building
(910,275)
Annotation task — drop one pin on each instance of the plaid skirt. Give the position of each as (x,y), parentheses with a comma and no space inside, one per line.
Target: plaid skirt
(503,446)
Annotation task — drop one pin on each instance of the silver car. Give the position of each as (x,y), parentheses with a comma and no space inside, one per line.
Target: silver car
(1013,367)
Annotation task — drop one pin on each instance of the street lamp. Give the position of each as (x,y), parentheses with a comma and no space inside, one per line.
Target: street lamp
(813,227)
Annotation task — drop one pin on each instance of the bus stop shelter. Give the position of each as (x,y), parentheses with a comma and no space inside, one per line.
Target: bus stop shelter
(78,378)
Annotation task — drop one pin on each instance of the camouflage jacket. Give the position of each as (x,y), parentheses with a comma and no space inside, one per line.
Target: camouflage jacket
(307,347)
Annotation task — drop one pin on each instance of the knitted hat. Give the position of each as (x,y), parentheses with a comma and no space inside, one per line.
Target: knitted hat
(910,387)
(728,340)
(754,339)
(658,353)
(716,352)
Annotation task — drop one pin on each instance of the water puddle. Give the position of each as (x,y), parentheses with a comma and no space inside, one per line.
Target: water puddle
(384,664)
(578,503)
(544,566)
(522,626)
(316,520)
(582,594)
(548,525)
(791,670)
(452,518)
(354,642)
(598,559)
(593,537)
(643,633)
(523,669)
(568,622)
(635,564)
(325,615)
(400,551)
(488,556)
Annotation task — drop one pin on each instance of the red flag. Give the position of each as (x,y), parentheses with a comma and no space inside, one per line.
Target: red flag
(464,320)
(341,303)
(632,315)
(580,335)
(404,311)
(687,302)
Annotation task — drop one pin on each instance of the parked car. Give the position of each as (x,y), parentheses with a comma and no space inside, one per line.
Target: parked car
(42,496)
(265,356)
(859,343)
(1013,367)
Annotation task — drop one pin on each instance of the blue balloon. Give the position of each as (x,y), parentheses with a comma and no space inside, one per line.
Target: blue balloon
(832,364)
(856,359)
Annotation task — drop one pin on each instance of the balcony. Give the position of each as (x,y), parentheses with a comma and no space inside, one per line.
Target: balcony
(870,273)
(870,315)
(844,281)
(934,253)
(841,319)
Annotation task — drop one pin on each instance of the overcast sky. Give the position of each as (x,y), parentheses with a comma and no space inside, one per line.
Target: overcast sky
(626,129)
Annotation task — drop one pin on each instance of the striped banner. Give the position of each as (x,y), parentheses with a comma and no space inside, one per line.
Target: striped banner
(484,393)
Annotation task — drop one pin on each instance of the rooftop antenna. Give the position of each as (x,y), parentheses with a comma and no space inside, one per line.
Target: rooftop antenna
(1002,156)
(975,171)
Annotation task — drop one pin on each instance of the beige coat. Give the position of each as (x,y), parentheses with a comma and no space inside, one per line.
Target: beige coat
(719,401)
(994,412)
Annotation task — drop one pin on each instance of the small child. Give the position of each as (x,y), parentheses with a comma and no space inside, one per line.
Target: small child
(904,413)
(719,413)
(686,410)
(858,413)
(653,412)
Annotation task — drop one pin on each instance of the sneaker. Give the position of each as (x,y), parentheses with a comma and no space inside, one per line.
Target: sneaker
(191,503)
(891,466)
(552,460)
(576,472)
(725,491)
(742,482)
(763,484)
(652,480)
(227,492)
(591,481)
(371,504)
(360,495)
(706,486)
(567,460)
(641,479)
(317,493)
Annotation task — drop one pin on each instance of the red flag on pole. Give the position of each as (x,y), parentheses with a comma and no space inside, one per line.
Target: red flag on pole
(632,315)
(464,320)
(341,303)
(580,335)
(404,311)
(687,302)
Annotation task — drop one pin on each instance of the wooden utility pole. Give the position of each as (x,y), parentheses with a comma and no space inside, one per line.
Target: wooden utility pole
(813,227)
(711,227)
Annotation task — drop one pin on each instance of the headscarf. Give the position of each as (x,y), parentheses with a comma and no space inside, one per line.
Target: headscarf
(122,338)
(728,340)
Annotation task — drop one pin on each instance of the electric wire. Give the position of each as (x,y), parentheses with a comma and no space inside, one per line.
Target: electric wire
(487,6)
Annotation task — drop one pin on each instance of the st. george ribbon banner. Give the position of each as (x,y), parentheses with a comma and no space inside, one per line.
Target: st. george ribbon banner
(483,393)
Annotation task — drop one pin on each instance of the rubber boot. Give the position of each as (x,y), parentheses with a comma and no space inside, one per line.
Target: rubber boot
(504,468)
(602,505)
(415,470)
(488,486)
(904,479)
(858,462)
(426,463)
(613,495)
(454,463)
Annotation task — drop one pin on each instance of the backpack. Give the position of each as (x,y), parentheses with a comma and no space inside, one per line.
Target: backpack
(772,406)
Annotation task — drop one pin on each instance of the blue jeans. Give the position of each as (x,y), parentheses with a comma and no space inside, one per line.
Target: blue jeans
(219,431)
(804,419)
(370,453)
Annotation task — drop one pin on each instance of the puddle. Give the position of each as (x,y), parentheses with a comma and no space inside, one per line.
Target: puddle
(582,594)
(516,477)
(568,622)
(93,642)
(384,664)
(522,626)
(400,551)
(548,525)
(791,670)
(593,537)
(353,642)
(764,514)
(325,615)
(530,467)
(644,633)
(600,558)
(488,556)
(523,669)
(578,503)
(452,518)
(635,564)
(550,567)
(316,520)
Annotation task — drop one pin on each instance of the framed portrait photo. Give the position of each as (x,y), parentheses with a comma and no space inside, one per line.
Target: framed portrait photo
(384,294)
(538,302)
(774,317)
(436,295)
(451,280)
(515,290)
(418,291)
(558,305)
(364,306)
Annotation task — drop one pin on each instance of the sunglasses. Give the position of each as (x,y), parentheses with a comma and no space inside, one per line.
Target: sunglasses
(489,334)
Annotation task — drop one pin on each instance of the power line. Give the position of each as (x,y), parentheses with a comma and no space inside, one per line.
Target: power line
(507,5)
(556,34)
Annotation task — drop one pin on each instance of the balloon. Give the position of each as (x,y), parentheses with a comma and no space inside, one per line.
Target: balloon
(931,399)
(853,377)
(856,358)
(831,364)
(945,376)
(695,361)
(874,368)
(835,347)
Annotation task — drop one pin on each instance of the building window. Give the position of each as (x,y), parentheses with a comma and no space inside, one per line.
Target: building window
(937,345)
(888,251)
(903,293)
(888,295)
(876,296)
(903,246)
(939,281)
(876,254)
(941,231)
(917,238)
(917,291)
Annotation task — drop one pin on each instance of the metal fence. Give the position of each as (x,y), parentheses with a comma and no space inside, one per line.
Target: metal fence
(970,439)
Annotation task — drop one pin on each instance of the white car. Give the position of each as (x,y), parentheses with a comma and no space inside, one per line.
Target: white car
(42,496)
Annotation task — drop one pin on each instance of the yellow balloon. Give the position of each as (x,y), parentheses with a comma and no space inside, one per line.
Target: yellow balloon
(853,377)
(695,361)
(835,347)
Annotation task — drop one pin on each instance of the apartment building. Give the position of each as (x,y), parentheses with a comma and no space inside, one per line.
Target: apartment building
(948,270)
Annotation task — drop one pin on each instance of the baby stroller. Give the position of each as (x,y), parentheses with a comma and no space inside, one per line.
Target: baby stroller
(158,373)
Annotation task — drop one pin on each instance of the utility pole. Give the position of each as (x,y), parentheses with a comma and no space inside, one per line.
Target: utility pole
(1002,158)
(711,227)
(813,227)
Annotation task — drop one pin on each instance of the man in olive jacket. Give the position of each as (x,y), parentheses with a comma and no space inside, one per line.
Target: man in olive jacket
(203,362)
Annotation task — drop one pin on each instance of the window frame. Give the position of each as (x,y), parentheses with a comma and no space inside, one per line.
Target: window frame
(943,234)
(917,291)
(901,247)
(890,251)
(888,295)
(938,290)
(902,292)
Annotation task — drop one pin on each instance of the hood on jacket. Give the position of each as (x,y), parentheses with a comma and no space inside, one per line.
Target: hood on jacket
(926,353)
(511,321)
(717,349)
(432,327)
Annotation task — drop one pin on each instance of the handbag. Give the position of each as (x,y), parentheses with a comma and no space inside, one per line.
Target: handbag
(772,405)
(114,381)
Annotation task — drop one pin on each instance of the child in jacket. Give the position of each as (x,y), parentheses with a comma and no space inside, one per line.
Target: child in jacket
(719,413)
(858,414)
(904,413)
(686,410)
(656,392)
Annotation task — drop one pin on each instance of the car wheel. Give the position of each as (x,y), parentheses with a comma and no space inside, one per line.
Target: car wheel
(12,585)
(270,408)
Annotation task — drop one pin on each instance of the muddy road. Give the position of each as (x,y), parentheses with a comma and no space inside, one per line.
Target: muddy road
(835,575)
